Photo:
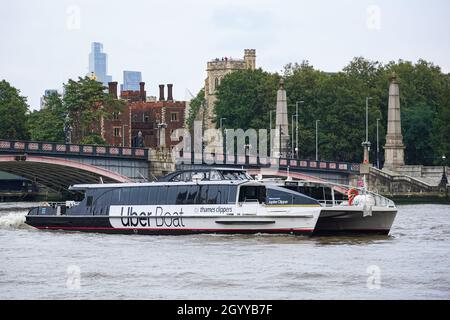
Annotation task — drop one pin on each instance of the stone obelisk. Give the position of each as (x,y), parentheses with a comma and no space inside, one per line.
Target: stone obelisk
(394,148)
(281,136)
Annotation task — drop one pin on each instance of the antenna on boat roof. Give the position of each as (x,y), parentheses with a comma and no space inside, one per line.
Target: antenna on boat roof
(101,180)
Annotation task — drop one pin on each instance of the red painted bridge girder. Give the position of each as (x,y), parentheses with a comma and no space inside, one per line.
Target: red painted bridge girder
(57,173)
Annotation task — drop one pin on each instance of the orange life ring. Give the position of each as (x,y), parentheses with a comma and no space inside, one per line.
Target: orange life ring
(352,193)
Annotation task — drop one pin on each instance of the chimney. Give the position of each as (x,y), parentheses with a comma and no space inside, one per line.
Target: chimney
(113,89)
(161,92)
(142,92)
(169,92)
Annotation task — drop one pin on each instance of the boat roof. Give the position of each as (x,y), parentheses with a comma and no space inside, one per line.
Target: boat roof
(164,183)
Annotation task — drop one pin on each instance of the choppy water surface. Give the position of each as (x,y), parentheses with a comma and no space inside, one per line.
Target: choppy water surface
(412,263)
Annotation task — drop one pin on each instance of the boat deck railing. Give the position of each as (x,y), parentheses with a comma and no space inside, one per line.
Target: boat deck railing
(380,200)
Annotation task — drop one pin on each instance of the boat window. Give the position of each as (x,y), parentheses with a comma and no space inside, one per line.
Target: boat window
(215,176)
(192,194)
(232,190)
(152,196)
(102,200)
(252,194)
(89,201)
(126,196)
(162,195)
(223,194)
(142,193)
(202,195)
(182,194)
(172,195)
(213,192)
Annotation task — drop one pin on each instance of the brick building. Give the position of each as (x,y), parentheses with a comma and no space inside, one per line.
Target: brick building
(145,122)
(116,130)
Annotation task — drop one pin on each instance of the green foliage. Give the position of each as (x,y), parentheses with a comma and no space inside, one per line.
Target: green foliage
(87,102)
(338,100)
(48,123)
(93,139)
(194,107)
(13,109)
(245,98)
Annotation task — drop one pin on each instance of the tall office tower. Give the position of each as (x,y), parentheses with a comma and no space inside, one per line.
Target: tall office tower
(98,63)
(131,80)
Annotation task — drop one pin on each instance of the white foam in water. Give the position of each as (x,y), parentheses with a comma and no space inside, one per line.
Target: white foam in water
(13,221)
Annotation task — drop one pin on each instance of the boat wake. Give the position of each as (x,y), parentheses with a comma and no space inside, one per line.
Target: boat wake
(14,220)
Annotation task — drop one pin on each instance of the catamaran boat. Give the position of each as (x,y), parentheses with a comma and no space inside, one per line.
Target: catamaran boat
(211,201)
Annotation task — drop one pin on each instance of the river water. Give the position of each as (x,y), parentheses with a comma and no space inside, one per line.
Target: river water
(413,262)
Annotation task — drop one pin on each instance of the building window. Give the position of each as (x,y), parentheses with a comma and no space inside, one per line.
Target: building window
(146,118)
(115,115)
(117,132)
(134,118)
(174,116)
(216,83)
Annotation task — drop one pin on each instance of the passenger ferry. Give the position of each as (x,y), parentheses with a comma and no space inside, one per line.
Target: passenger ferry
(213,201)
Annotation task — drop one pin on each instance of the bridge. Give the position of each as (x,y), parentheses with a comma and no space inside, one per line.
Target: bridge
(57,166)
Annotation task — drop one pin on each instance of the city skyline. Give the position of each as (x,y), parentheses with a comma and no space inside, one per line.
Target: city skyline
(177,53)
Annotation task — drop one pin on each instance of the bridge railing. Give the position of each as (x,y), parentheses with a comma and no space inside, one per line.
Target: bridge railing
(283,163)
(61,149)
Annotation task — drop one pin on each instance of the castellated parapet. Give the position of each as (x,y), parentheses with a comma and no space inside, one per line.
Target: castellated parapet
(216,70)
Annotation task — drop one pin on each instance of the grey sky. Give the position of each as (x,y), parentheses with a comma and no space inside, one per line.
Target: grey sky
(170,42)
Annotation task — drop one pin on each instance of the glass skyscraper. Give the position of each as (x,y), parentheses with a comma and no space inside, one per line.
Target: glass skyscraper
(98,63)
(131,80)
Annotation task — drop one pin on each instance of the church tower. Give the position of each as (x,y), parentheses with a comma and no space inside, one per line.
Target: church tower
(216,70)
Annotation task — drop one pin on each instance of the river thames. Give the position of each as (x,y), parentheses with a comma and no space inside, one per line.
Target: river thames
(413,262)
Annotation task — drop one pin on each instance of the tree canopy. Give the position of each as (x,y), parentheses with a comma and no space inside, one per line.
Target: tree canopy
(338,100)
(13,109)
(48,124)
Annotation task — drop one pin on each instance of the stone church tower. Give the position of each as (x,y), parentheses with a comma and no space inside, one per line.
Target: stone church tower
(394,148)
(216,70)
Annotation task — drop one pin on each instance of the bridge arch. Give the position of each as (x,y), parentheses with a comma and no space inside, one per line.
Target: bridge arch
(57,173)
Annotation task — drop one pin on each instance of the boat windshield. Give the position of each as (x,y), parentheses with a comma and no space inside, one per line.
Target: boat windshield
(209,175)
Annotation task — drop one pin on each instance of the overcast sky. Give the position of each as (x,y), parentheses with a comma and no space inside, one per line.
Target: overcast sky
(44,43)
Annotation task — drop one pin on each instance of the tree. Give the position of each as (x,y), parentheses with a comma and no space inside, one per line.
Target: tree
(87,103)
(195,107)
(48,123)
(13,109)
(245,98)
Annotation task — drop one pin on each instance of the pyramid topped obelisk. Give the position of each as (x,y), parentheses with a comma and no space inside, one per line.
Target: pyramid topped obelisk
(394,148)
(281,137)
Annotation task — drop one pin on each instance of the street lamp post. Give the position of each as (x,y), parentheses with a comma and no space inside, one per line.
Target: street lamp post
(366,143)
(296,126)
(367,118)
(378,146)
(317,140)
(444,179)
(292,135)
(223,136)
